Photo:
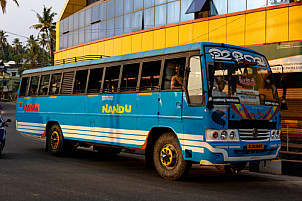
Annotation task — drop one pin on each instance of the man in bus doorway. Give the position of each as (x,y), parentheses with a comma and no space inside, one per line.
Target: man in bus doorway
(177,80)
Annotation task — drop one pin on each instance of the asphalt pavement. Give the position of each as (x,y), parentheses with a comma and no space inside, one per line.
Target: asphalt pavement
(27,172)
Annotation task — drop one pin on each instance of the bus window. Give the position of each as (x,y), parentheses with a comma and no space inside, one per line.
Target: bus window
(33,89)
(44,84)
(150,75)
(195,85)
(95,80)
(174,73)
(80,81)
(130,76)
(67,82)
(111,79)
(55,83)
(24,85)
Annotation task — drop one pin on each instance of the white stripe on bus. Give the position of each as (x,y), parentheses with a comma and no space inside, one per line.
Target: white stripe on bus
(30,131)
(34,128)
(101,134)
(105,139)
(109,130)
(31,124)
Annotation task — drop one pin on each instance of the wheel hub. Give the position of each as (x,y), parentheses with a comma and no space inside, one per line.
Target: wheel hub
(54,140)
(168,156)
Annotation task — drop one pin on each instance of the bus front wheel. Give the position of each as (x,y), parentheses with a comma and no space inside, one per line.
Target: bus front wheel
(55,141)
(168,159)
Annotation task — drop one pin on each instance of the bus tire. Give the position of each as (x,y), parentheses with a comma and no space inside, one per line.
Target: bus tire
(55,141)
(168,159)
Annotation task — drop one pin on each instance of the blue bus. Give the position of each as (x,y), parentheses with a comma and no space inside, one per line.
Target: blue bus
(206,103)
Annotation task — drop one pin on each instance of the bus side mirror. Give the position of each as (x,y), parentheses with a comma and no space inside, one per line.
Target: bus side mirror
(283,84)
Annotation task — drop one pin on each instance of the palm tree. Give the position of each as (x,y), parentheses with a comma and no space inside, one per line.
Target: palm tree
(3,4)
(43,40)
(17,45)
(47,26)
(32,51)
(3,40)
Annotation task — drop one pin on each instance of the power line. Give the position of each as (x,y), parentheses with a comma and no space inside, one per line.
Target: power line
(14,34)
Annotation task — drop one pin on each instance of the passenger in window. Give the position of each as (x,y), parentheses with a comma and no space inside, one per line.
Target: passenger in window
(177,80)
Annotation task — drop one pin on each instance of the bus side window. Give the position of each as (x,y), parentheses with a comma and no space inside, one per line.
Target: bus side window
(44,83)
(55,83)
(111,79)
(95,80)
(33,89)
(130,76)
(24,85)
(150,76)
(174,73)
(80,81)
(195,83)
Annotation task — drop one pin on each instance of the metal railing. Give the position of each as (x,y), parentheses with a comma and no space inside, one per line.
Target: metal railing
(66,61)
(77,59)
(291,137)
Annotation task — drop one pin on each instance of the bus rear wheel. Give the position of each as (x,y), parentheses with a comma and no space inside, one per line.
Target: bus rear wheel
(55,141)
(168,159)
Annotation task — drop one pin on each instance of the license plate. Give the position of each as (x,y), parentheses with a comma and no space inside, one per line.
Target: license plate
(255,146)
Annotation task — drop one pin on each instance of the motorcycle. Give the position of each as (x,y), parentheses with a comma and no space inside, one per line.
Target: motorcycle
(3,124)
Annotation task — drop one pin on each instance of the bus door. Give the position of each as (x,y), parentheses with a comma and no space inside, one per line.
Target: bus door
(170,106)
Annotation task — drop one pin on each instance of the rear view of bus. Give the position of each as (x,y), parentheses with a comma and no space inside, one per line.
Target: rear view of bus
(202,103)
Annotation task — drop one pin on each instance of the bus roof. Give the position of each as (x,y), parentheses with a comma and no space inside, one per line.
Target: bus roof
(182,48)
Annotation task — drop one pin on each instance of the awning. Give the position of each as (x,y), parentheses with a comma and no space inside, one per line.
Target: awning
(196,6)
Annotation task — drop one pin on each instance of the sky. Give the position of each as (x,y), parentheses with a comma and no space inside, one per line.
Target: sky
(17,20)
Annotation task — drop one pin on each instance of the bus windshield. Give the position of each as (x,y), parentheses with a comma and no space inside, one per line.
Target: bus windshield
(251,84)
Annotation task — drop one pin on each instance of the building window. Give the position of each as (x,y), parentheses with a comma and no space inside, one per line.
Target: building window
(14,74)
(149,18)
(173,14)
(119,25)
(137,21)
(236,5)
(160,15)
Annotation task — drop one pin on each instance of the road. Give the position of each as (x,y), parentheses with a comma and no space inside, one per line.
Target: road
(27,172)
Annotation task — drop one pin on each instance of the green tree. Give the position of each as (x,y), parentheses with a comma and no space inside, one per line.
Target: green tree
(32,52)
(3,4)
(43,40)
(46,25)
(3,40)
(17,45)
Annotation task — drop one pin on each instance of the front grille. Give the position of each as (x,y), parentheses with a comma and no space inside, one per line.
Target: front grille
(252,123)
(249,134)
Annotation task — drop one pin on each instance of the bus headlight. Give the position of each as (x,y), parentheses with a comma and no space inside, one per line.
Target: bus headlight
(277,135)
(232,135)
(224,135)
(273,134)
(215,134)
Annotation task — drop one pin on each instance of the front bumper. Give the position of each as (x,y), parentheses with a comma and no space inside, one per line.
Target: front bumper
(214,153)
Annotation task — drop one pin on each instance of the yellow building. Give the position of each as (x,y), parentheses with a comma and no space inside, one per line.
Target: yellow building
(116,27)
